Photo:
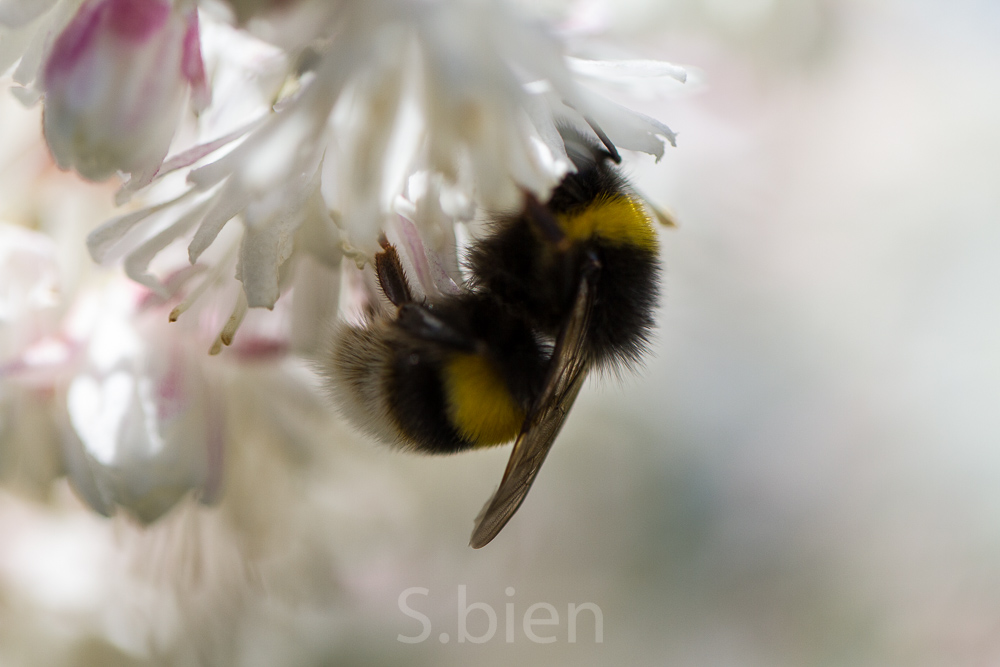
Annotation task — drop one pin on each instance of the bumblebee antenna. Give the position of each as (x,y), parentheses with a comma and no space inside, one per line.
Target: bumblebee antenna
(612,150)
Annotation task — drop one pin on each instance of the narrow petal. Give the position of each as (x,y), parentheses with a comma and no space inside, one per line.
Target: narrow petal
(192,65)
(627,128)
(615,70)
(182,160)
(137,261)
(103,239)
(227,204)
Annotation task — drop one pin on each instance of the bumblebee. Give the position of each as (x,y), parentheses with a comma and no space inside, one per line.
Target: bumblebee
(442,375)
(555,290)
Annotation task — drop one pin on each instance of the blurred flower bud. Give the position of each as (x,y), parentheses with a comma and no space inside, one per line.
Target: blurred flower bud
(114,83)
(146,428)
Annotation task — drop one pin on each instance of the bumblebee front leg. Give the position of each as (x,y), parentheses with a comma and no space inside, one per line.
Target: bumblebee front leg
(391,277)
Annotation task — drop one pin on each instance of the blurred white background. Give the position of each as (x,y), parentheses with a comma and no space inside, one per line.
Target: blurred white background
(808,472)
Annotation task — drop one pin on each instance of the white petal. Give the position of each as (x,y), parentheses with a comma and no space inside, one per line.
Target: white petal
(265,248)
(539,112)
(137,261)
(31,59)
(103,239)
(627,128)
(616,70)
(28,97)
(227,204)
(81,475)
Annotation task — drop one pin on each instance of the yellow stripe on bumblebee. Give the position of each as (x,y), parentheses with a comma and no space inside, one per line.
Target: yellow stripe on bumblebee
(480,407)
(618,220)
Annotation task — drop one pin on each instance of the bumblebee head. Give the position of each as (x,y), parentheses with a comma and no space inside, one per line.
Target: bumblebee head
(583,151)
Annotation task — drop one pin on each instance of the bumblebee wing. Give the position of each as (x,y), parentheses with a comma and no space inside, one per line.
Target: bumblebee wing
(526,460)
(566,375)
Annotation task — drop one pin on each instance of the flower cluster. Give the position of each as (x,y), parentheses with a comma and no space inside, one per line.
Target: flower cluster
(260,147)
(357,101)
(268,141)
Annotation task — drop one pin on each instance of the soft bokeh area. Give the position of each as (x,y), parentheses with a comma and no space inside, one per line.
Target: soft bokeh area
(807,472)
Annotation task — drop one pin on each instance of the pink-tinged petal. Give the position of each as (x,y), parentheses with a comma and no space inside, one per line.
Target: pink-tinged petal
(192,65)
(192,155)
(137,20)
(428,267)
(41,363)
(184,159)
(170,397)
(114,83)
(180,161)
(260,348)
(74,41)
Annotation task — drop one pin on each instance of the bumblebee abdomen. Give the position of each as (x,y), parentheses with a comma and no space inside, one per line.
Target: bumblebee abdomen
(357,377)
(389,385)
(450,402)
(480,406)
(435,392)
(419,402)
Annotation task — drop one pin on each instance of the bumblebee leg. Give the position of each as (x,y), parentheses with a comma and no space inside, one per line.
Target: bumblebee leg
(419,321)
(391,277)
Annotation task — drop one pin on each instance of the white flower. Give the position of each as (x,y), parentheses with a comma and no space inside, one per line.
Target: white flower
(114,81)
(463,96)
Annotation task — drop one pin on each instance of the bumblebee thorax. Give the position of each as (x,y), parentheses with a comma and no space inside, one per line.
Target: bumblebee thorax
(617,220)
